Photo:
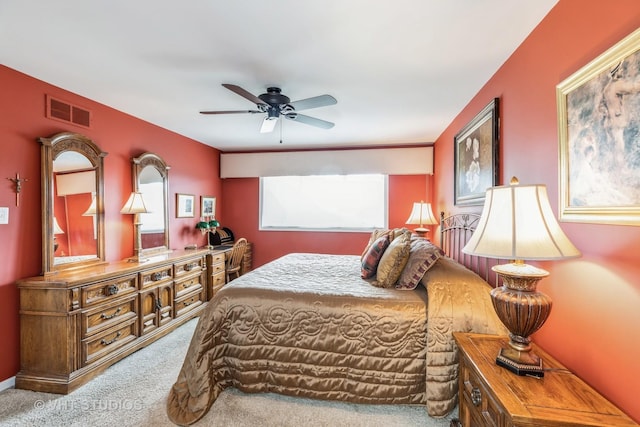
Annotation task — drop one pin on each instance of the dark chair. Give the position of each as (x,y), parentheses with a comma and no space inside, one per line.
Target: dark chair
(234,258)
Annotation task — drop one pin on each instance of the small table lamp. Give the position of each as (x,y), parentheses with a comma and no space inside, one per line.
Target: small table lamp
(134,206)
(517,223)
(56,230)
(421,214)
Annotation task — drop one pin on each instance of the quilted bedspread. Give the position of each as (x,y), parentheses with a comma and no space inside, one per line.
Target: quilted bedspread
(308,325)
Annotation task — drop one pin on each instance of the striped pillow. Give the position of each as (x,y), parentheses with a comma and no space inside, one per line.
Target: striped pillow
(422,256)
(372,257)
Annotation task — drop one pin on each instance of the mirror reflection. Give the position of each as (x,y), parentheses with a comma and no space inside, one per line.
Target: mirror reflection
(151,175)
(152,222)
(74,209)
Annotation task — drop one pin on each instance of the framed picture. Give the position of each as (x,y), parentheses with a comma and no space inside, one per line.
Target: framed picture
(598,129)
(476,156)
(185,205)
(207,206)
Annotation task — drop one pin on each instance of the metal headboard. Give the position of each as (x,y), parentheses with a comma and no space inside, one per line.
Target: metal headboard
(455,231)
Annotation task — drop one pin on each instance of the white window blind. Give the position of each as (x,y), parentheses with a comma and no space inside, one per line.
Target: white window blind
(323,202)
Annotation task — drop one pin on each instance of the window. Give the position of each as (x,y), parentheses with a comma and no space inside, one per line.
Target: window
(323,202)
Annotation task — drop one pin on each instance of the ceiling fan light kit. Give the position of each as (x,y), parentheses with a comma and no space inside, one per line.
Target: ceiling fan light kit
(275,104)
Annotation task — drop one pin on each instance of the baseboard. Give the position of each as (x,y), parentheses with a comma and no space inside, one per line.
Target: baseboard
(8,383)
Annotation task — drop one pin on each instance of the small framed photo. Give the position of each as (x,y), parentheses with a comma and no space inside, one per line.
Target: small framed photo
(207,206)
(185,205)
(476,156)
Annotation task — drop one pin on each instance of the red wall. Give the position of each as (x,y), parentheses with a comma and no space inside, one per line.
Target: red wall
(241,207)
(594,326)
(194,170)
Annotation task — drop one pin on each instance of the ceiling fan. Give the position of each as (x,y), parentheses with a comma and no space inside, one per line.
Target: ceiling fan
(276,105)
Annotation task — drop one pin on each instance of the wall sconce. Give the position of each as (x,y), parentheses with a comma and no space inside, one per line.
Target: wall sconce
(517,223)
(134,206)
(422,215)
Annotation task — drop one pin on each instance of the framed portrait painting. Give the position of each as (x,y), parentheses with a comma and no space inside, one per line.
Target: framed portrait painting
(476,156)
(185,205)
(207,206)
(599,138)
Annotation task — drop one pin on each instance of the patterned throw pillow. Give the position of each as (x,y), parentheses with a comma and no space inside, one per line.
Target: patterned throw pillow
(375,235)
(422,256)
(372,257)
(393,261)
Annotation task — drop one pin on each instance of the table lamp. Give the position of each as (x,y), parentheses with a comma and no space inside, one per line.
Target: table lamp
(421,214)
(135,206)
(517,224)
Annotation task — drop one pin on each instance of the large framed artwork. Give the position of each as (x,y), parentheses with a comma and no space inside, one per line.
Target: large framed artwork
(599,138)
(476,156)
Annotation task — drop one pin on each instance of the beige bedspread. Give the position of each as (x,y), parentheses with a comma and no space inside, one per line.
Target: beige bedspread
(308,325)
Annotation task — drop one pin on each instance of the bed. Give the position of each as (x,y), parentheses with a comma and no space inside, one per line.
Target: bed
(310,325)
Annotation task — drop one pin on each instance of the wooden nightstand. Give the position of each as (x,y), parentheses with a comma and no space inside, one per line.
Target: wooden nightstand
(493,396)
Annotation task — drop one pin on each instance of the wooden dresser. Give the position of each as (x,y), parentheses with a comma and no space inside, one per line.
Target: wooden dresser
(492,396)
(75,324)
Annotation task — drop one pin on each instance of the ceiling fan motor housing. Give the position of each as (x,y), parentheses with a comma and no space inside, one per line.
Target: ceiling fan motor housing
(274,98)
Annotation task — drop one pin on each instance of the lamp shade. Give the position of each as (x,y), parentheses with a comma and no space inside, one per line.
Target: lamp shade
(421,214)
(517,223)
(56,227)
(135,204)
(92,208)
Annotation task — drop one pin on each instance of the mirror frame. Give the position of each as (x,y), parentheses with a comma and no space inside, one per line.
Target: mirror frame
(50,149)
(139,163)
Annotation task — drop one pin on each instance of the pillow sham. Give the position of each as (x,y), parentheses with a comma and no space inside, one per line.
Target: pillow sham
(372,257)
(375,235)
(393,261)
(422,256)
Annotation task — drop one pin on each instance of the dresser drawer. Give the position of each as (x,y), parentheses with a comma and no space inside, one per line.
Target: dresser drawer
(476,400)
(218,257)
(184,268)
(187,285)
(106,342)
(107,315)
(189,302)
(156,276)
(108,290)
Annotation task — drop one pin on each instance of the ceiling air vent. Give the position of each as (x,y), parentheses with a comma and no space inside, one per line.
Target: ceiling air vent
(67,112)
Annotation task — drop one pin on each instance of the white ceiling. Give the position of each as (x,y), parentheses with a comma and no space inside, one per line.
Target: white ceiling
(401,70)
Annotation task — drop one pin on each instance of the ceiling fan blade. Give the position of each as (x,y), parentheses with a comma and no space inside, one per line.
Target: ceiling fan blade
(315,102)
(231,112)
(310,120)
(268,124)
(245,94)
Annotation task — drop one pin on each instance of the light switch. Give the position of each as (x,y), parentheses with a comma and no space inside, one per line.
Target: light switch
(4,215)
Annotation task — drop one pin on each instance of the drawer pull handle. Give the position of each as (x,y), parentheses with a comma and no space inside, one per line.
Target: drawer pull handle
(112,289)
(105,342)
(476,396)
(157,276)
(110,316)
(188,303)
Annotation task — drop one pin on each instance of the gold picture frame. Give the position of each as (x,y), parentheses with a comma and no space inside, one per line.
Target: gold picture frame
(207,206)
(185,205)
(598,130)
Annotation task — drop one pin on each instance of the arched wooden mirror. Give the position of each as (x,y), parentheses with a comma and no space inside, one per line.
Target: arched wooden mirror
(72,202)
(151,179)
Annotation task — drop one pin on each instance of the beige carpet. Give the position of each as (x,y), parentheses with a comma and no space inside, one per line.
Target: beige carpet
(133,392)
